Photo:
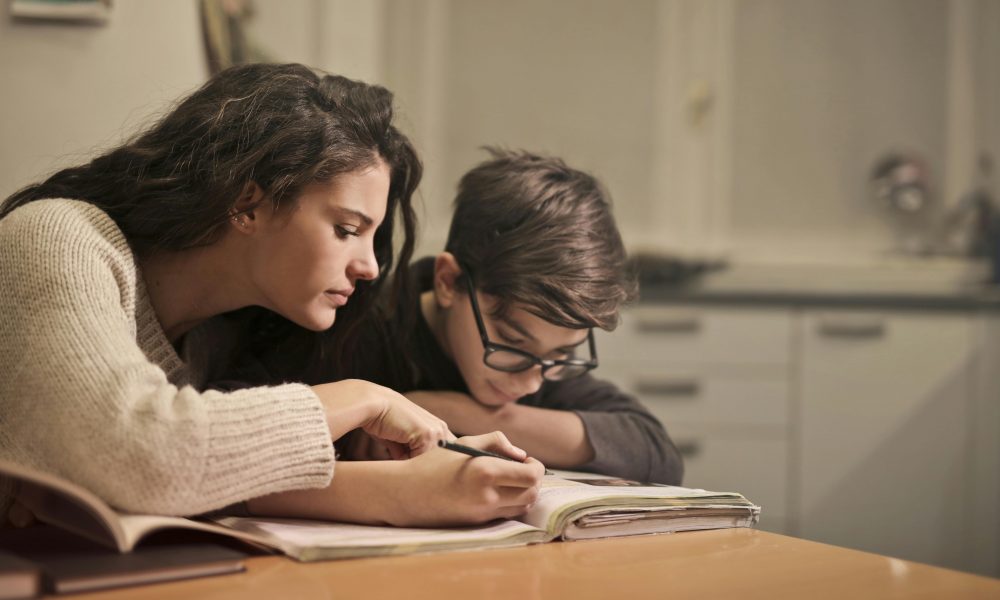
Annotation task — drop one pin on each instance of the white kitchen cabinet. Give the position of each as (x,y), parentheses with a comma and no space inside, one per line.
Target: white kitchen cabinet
(876,430)
(884,432)
(719,380)
(671,335)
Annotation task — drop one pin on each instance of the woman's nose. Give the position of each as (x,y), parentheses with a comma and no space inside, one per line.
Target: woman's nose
(365,266)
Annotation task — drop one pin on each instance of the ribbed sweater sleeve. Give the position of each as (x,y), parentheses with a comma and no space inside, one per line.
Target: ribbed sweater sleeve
(91,390)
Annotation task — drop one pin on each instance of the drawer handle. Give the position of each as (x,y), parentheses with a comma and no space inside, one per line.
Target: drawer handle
(852,328)
(688,449)
(674,388)
(677,325)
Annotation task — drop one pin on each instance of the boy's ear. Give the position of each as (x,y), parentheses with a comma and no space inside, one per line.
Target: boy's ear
(243,214)
(446,272)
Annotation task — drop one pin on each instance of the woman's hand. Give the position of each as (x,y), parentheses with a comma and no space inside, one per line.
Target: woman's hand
(440,488)
(445,488)
(358,445)
(495,442)
(404,428)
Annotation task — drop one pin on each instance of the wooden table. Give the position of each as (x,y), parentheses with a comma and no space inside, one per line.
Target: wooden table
(733,563)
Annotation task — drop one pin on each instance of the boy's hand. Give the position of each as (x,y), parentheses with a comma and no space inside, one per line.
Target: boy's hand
(462,412)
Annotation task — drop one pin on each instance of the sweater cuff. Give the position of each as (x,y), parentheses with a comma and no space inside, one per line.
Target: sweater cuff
(266,440)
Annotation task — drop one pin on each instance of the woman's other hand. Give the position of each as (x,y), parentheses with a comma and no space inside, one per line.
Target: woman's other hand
(405,429)
(358,445)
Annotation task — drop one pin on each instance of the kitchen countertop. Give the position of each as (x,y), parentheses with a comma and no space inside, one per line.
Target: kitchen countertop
(912,284)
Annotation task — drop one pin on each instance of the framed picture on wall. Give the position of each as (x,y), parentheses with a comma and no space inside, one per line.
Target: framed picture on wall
(74,11)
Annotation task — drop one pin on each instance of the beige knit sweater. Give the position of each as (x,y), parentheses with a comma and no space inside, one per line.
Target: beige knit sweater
(92,390)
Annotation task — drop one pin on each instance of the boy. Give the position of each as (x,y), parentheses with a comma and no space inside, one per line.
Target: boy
(498,334)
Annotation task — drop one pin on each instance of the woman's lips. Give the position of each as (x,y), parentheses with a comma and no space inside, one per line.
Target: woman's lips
(338,297)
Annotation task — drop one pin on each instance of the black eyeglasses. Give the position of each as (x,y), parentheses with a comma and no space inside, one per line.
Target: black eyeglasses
(512,360)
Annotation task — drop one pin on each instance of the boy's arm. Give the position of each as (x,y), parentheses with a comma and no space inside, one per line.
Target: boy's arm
(628,440)
(621,437)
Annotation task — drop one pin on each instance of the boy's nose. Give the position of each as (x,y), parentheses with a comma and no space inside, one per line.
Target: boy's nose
(528,382)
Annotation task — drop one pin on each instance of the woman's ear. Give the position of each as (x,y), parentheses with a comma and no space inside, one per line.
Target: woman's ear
(243,214)
(446,272)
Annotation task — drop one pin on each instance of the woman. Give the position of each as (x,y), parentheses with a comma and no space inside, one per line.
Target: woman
(269,186)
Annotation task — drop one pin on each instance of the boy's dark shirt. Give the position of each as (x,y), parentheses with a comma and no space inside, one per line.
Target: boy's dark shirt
(628,441)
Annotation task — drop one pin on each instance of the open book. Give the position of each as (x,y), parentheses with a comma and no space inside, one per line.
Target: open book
(571,506)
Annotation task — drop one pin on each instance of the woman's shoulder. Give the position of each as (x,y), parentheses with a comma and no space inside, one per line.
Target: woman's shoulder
(60,223)
(41,216)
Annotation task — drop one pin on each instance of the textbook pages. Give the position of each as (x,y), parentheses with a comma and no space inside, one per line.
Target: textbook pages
(570,506)
(577,506)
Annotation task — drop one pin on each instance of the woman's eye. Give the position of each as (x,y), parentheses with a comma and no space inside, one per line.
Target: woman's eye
(345,231)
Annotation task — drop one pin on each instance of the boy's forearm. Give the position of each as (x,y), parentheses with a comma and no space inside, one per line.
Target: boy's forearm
(555,437)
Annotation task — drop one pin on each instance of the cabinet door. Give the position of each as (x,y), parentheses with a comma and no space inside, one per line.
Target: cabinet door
(733,461)
(696,396)
(884,432)
(681,334)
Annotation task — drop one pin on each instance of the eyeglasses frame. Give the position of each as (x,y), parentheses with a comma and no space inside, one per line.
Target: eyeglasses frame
(491,347)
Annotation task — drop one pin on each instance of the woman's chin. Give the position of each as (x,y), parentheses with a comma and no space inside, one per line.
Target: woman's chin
(318,321)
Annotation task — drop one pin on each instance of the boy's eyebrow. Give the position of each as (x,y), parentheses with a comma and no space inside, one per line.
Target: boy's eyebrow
(357,213)
(509,322)
(576,345)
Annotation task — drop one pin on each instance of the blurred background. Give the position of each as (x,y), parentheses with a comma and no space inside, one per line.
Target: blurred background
(808,187)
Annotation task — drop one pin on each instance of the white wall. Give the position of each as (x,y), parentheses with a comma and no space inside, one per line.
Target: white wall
(341,36)
(70,89)
(746,127)
(797,98)
(568,77)
(821,90)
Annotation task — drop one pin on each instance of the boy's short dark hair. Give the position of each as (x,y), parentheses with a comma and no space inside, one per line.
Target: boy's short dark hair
(535,232)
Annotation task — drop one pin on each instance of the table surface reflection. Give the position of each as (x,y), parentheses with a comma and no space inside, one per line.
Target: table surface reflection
(740,563)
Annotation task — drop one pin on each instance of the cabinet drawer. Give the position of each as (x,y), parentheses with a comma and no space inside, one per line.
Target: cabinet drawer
(693,335)
(692,396)
(756,467)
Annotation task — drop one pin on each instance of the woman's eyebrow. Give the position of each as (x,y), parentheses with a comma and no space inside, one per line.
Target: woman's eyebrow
(357,213)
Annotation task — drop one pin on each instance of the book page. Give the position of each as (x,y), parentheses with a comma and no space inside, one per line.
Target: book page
(54,500)
(316,540)
(305,533)
(567,495)
(73,508)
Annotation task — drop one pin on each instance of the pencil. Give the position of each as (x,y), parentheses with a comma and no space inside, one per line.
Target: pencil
(468,450)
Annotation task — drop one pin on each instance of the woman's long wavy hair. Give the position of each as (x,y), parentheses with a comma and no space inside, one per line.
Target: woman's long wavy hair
(281,126)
